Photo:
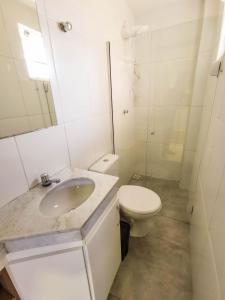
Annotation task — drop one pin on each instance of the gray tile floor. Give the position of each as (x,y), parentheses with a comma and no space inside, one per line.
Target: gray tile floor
(158,265)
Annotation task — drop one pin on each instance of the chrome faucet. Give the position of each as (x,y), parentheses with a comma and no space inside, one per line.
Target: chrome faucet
(46,181)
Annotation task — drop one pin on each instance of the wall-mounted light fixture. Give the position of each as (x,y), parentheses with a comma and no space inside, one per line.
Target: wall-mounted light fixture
(65,26)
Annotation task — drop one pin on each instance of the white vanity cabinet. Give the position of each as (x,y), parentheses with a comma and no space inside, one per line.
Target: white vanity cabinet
(103,252)
(78,270)
(59,275)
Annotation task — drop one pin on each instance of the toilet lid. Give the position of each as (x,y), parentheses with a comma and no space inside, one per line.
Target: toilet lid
(139,199)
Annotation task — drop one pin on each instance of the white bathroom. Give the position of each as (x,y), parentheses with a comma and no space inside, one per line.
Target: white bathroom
(112,142)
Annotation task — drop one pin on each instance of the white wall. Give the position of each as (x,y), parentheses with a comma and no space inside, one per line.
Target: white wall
(80,88)
(202,71)
(166,60)
(208,182)
(161,14)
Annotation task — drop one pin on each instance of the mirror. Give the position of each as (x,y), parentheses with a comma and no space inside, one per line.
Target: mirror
(26,101)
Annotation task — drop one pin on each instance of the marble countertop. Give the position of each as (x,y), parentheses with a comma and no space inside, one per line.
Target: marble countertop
(21,218)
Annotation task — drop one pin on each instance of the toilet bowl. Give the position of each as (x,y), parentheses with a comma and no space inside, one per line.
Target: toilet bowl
(137,204)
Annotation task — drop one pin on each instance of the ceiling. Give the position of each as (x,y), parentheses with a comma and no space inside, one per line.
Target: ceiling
(140,7)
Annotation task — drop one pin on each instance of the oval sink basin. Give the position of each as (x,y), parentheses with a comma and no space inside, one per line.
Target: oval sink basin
(66,196)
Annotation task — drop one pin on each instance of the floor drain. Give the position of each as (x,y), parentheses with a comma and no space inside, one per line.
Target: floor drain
(137,177)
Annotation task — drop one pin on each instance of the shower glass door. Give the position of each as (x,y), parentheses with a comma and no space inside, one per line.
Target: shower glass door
(169,92)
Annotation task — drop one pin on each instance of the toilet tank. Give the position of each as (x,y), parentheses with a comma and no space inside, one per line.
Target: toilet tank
(108,164)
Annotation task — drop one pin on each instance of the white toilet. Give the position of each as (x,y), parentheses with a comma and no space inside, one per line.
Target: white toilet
(137,204)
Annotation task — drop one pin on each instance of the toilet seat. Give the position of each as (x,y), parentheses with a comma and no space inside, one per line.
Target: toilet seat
(139,200)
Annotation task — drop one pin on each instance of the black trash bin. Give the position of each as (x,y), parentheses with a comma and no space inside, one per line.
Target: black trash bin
(125,236)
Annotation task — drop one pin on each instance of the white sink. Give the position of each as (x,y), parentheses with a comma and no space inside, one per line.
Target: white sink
(66,196)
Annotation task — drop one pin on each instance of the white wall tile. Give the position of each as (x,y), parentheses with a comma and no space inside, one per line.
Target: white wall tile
(129,130)
(43,151)
(199,225)
(140,157)
(14,13)
(187,166)
(13,126)
(81,143)
(178,42)
(55,91)
(205,277)
(202,72)
(119,129)
(209,165)
(210,32)
(4,43)
(125,166)
(143,48)
(122,83)
(102,135)
(40,6)
(36,122)
(212,8)
(167,14)
(217,234)
(124,130)
(169,86)
(142,84)
(193,128)
(164,160)
(89,140)
(12,178)
(29,89)
(68,9)
(141,117)
(219,105)
(169,124)
(98,77)
(215,167)
(11,99)
(210,90)
(72,71)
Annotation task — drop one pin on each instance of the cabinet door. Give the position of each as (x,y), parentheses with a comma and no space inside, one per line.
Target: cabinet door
(56,276)
(103,253)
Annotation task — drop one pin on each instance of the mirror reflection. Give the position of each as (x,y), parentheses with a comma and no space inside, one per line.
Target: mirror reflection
(26,102)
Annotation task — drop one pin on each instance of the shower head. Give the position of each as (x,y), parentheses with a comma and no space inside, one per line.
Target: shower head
(133,31)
